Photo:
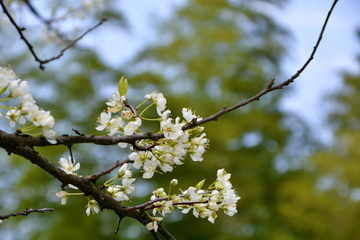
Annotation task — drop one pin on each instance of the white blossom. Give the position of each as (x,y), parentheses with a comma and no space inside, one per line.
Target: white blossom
(63,197)
(131,127)
(68,166)
(92,206)
(104,121)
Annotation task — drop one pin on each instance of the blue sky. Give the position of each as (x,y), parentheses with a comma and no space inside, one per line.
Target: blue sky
(337,53)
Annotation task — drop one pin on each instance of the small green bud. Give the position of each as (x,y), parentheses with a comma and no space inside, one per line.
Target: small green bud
(123,85)
(200,184)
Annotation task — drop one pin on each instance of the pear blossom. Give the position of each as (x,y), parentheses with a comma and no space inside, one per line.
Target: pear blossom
(14,117)
(6,75)
(140,157)
(104,121)
(127,115)
(150,168)
(159,100)
(171,131)
(131,127)
(63,197)
(153,225)
(115,126)
(117,193)
(164,207)
(188,115)
(68,166)
(192,194)
(124,172)
(49,134)
(222,176)
(92,206)
(198,147)
(115,102)
(158,193)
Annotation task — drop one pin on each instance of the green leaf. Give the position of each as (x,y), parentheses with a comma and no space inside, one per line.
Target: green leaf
(200,184)
(123,85)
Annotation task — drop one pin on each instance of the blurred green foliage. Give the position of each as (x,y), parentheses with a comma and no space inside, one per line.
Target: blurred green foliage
(209,55)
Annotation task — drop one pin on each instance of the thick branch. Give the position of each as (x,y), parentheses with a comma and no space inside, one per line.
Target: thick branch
(105,200)
(24,140)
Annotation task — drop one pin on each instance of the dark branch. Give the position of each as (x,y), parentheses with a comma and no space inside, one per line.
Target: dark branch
(118,225)
(153,233)
(25,140)
(165,232)
(96,176)
(25,212)
(71,44)
(31,48)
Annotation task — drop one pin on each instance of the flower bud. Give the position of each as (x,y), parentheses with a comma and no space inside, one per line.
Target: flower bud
(213,206)
(122,170)
(126,115)
(173,182)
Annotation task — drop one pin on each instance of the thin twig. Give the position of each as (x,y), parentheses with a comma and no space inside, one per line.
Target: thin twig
(31,48)
(153,233)
(71,44)
(133,110)
(96,176)
(46,21)
(144,205)
(71,154)
(25,212)
(178,203)
(165,232)
(118,225)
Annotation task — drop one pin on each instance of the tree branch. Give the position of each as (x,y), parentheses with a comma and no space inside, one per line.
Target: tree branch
(31,48)
(165,232)
(105,200)
(25,212)
(96,176)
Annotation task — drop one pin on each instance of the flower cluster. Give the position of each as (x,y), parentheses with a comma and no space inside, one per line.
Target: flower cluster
(120,192)
(166,152)
(27,109)
(204,203)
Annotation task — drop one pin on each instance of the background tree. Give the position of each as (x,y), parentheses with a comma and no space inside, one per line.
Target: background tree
(322,200)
